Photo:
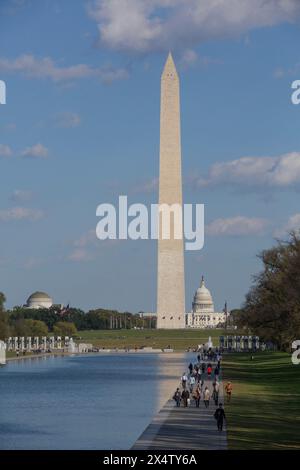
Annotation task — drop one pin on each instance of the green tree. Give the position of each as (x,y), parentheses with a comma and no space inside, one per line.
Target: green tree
(18,327)
(35,328)
(76,316)
(4,325)
(63,328)
(49,316)
(2,301)
(272,306)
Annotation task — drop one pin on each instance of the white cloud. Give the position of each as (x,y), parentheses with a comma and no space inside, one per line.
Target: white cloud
(86,248)
(32,263)
(281,72)
(86,239)
(82,247)
(281,172)
(146,187)
(189,57)
(68,120)
(5,151)
(11,126)
(80,254)
(12,7)
(33,67)
(20,195)
(36,151)
(237,226)
(287,170)
(156,25)
(293,224)
(20,213)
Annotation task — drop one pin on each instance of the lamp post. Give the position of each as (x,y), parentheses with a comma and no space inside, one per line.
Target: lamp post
(226,315)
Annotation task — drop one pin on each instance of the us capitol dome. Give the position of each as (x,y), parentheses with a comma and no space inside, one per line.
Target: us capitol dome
(39,300)
(203,313)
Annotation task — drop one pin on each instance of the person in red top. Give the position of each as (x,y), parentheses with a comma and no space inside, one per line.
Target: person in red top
(209,370)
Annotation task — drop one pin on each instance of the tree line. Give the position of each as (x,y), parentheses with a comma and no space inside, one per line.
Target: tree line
(22,321)
(272,306)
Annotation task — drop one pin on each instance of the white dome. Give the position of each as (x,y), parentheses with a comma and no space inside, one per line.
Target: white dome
(203,295)
(39,300)
(203,300)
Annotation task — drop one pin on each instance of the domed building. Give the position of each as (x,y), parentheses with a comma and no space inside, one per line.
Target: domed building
(203,302)
(203,313)
(39,300)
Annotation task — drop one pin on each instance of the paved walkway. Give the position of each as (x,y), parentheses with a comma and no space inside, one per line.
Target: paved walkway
(185,428)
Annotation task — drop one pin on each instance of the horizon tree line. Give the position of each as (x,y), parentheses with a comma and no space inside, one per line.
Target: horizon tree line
(21,321)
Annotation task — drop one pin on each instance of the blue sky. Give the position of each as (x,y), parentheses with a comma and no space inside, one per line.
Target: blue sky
(81,127)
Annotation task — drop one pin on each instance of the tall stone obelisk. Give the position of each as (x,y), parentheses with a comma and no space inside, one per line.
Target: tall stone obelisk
(170,270)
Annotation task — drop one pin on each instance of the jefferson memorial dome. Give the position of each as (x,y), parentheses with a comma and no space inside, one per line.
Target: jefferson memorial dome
(39,300)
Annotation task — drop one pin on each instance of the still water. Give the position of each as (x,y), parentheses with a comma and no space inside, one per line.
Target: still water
(84,402)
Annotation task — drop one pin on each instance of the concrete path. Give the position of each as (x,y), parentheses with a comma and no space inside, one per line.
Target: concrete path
(185,428)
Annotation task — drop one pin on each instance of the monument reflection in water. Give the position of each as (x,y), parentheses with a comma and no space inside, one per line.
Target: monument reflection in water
(91,402)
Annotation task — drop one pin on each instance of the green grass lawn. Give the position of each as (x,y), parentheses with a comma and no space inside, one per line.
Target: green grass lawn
(265,408)
(10,354)
(179,340)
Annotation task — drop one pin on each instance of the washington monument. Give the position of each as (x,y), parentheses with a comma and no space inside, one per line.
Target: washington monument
(170,269)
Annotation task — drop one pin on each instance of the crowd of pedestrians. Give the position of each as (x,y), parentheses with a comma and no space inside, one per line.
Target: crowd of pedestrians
(201,383)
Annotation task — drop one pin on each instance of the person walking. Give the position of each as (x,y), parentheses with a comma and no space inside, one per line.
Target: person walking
(206,397)
(184,380)
(192,383)
(177,397)
(209,370)
(185,397)
(216,385)
(220,416)
(191,368)
(201,383)
(197,396)
(215,394)
(198,358)
(228,390)
(203,367)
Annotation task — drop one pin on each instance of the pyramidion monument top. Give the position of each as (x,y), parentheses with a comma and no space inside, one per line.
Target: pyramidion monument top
(169,71)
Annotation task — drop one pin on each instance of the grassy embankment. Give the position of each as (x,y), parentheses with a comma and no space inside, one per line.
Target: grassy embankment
(11,354)
(180,340)
(265,408)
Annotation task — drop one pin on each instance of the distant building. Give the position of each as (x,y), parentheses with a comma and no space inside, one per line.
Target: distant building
(203,313)
(39,300)
(147,315)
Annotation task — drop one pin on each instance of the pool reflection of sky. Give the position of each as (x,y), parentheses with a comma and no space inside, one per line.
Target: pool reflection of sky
(92,402)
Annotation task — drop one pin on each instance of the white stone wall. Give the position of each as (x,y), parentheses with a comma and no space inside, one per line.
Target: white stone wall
(2,353)
(205,320)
